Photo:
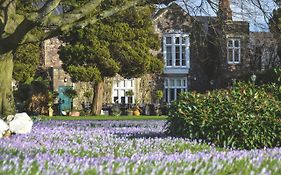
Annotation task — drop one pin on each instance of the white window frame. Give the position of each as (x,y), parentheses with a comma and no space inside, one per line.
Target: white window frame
(121,87)
(173,45)
(233,48)
(171,84)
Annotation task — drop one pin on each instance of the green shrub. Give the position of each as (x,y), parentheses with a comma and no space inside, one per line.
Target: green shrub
(246,116)
(115,110)
(274,90)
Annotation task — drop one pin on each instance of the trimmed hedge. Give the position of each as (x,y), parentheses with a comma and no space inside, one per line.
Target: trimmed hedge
(245,116)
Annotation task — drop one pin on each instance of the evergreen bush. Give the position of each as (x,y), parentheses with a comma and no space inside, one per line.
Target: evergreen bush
(246,116)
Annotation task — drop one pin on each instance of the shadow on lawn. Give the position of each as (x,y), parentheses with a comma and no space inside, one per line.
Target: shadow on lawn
(134,135)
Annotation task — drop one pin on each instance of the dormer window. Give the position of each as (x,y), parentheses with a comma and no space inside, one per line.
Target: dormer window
(233,51)
(176,50)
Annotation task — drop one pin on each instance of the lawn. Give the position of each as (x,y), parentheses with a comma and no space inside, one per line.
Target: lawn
(142,117)
(123,147)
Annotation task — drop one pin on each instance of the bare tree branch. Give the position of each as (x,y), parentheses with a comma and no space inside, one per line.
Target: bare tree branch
(72,16)
(81,23)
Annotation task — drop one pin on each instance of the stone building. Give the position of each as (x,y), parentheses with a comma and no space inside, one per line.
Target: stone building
(200,53)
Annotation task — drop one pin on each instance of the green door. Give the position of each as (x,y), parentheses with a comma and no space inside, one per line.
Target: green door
(64,101)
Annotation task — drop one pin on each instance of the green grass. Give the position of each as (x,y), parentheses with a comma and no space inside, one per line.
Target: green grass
(142,117)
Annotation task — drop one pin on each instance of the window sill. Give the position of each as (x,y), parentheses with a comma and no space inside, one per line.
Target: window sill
(176,67)
(231,63)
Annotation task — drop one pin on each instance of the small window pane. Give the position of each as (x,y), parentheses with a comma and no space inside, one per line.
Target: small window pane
(183,61)
(236,55)
(169,57)
(183,49)
(177,40)
(177,56)
(122,92)
(184,40)
(230,43)
(178,82)
(184,83)
(172,94)
(115,100)
(177,59)
(172,82)
(168,40)
(123,100)
(169,49)
(236,43)
(230,55)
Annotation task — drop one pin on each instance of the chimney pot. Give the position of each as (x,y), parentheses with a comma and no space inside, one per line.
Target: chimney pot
(224,12)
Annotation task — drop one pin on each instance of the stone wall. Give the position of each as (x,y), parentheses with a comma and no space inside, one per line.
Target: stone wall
(263,51)
(235,29)
(50,53)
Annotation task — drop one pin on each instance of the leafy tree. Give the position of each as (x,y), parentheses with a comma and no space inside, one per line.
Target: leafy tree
(19,17)
(118,44)
(26,60)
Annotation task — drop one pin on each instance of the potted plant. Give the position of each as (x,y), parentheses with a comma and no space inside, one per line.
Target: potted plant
(136,110)
(52,95)
(115,110)
(129,93)
(159,95)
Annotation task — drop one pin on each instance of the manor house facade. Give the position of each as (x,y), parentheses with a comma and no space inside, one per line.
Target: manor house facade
(199,53)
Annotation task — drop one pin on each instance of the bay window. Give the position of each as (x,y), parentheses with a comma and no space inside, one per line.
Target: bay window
(176,50)
(173,87)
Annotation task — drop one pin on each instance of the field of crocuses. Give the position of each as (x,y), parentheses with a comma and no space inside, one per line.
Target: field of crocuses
(123,147)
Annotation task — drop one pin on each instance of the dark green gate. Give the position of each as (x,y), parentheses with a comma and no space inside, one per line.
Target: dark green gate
(65,102)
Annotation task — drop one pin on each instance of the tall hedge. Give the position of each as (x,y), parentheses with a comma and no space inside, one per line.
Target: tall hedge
(245,116)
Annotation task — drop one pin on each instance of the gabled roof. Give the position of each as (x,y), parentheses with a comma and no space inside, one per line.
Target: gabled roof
(173,6)
(177,14)
(245,10)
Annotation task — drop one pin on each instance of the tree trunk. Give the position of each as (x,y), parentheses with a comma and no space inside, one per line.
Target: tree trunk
(97,98)
(6,94)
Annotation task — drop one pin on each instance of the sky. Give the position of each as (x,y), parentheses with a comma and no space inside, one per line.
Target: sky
(257,14)
(247,10)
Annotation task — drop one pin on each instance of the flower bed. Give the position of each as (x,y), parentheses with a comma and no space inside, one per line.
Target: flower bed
(123,147)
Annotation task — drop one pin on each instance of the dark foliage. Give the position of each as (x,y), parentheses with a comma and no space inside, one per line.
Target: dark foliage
(246,116)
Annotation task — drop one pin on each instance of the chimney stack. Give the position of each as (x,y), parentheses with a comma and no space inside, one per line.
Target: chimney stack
(224,11)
